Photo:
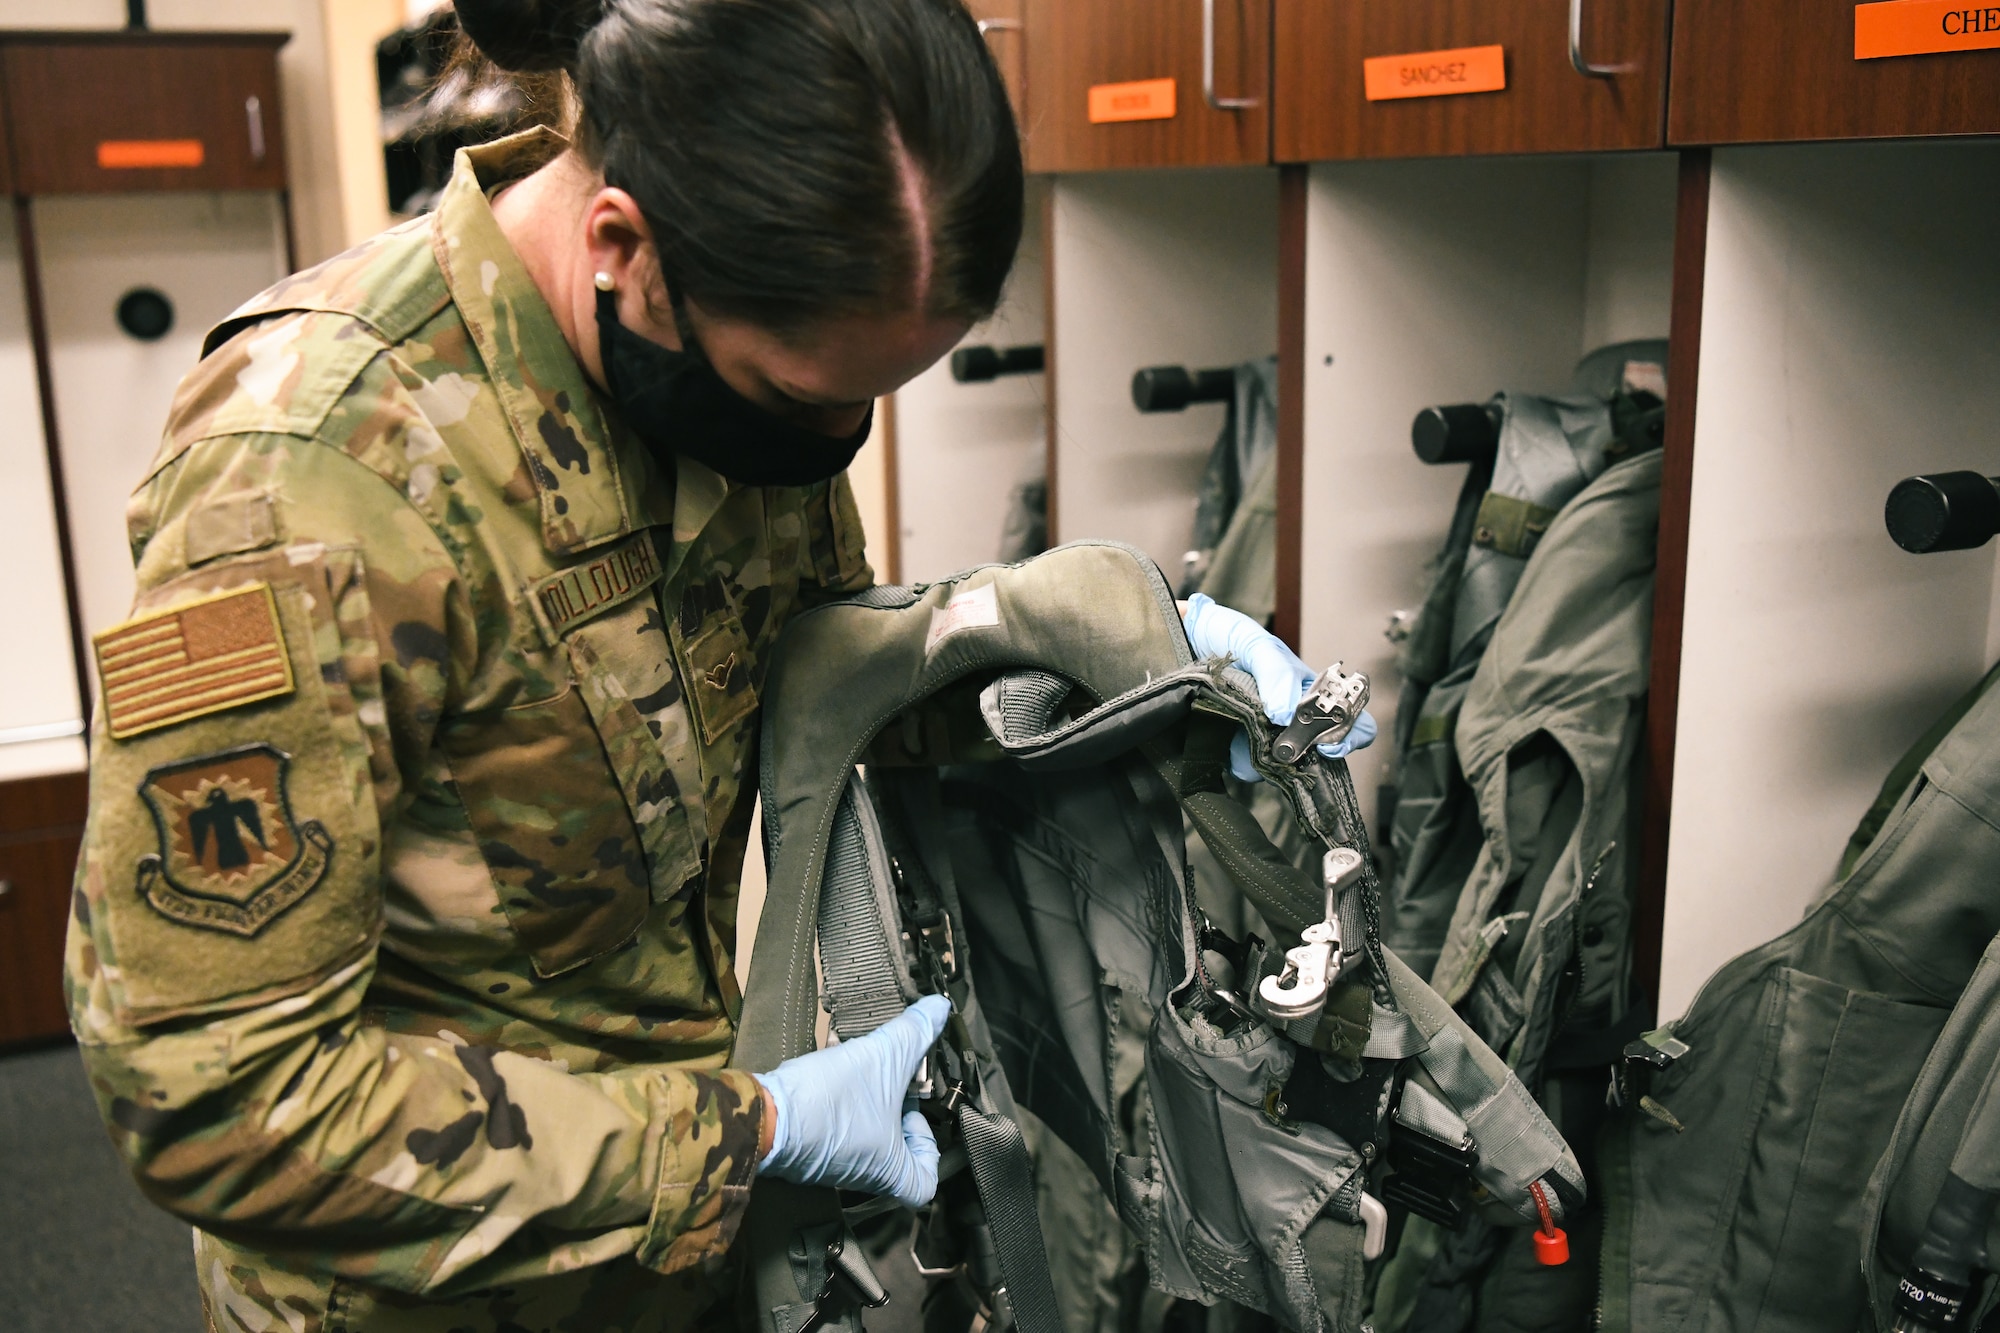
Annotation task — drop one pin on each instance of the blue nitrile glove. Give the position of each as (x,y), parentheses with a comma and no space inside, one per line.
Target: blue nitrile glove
(1214,630)
(844,1118)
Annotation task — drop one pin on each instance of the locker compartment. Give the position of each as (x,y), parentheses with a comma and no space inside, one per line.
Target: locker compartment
(204,253)
(1787,69)
(965,450)
(116,113)
(1149,269)
(1579,75)
(41,826)
(1113,84)
(1441,282)
(41,720)
(1851,337)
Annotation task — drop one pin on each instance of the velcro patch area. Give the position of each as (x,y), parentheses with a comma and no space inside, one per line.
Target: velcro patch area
(188,661)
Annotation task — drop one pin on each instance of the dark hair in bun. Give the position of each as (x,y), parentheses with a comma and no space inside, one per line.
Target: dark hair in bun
(528,36)
(761,138)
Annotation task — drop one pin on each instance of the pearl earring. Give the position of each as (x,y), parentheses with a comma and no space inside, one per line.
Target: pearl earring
(604,282)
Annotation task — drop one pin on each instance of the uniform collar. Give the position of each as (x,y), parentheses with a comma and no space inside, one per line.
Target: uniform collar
(591,489)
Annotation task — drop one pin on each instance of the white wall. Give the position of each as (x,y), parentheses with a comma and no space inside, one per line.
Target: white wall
(40,718)
(1433,282)
(208,253)
(962,448)
(1152,268)
(1851,338)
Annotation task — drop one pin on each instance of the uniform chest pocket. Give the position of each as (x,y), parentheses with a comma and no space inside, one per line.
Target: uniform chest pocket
(716,661)
(553,827)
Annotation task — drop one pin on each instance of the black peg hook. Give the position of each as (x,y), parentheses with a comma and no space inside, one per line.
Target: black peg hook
(1172,388)
(977,365)
(1458,433)
(1943,511)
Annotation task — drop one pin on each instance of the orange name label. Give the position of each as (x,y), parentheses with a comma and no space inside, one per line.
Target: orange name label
(1466,69)
(135,154)
(1148,99)
(1923,27)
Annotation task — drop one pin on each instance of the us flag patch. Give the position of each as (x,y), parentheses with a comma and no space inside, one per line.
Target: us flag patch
(191,660)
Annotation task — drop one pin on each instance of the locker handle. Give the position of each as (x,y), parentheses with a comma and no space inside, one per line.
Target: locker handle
(253,108)
(1208,65)
(999,25)
(6,887)
(1576,58)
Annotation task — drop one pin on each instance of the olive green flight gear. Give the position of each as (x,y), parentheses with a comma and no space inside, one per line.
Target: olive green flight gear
(979,788)
(1549,449)
(1537,955)
(1233,554)
(1826,1101)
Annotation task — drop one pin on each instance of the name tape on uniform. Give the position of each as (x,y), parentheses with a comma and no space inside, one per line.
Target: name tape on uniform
(975,608)
(1463,69)
(571,596)
(191,660)
(1923,27)
(1145,99)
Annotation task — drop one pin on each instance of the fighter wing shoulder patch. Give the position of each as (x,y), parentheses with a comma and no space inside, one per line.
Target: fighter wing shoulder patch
(231,854)
(187,661)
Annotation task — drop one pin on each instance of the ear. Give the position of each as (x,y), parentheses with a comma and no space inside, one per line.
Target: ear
(618,241)
(615,233)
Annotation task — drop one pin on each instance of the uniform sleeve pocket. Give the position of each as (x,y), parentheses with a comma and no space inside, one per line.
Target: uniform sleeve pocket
(232,851)
(716,666)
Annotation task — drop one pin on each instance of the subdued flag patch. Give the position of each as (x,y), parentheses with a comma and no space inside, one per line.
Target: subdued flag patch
(191,660)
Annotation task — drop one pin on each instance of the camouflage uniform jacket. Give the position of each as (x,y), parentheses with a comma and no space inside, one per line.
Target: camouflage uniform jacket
(402,951)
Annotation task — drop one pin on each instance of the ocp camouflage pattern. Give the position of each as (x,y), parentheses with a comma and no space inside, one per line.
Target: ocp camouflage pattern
(473,1078)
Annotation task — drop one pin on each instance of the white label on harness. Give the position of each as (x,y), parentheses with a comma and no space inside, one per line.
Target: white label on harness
(975,608)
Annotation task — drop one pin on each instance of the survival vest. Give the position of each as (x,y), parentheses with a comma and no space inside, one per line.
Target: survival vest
(1549,449)
(981,787)
(1823,1121)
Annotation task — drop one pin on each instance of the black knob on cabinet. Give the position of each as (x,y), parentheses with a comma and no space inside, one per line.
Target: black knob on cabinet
(1459,433)
(1172,388)
(976,365)
(146,314)
(1944,511)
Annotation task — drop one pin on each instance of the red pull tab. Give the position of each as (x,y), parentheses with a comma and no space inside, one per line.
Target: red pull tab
(1551,1242)
(1552,1247)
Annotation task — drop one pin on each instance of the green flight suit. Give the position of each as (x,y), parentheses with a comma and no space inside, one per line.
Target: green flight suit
(1826,1080)
(402,965)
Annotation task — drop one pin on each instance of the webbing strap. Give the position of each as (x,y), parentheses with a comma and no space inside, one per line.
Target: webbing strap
(998,1156)
(866,978)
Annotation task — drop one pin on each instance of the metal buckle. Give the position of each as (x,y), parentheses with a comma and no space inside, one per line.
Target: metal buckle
(1325,716)
(1311,968)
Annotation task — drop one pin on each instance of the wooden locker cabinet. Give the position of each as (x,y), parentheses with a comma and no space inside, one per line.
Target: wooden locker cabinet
(1076,45)
(121,113)
(41,828)
(1546,106)
(1003,24)
(1785,70)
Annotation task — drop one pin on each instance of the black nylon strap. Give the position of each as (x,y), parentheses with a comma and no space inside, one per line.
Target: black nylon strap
(1000,1168)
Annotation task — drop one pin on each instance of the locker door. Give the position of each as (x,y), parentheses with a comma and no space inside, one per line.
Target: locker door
(1787,69)
(205,253)
(1438,97)
(1148,83)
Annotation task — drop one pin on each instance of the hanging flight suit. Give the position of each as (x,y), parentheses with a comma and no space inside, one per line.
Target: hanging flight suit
(1233,554)
(1549,450)
(1539,938)
(1820,1085)
(979,788)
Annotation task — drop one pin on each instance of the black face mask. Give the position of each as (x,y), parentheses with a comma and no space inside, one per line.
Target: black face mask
(677,404)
